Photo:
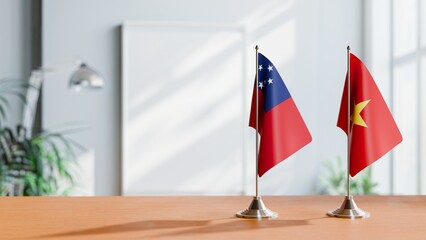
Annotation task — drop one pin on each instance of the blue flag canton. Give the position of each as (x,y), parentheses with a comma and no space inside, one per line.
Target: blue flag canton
(271,84)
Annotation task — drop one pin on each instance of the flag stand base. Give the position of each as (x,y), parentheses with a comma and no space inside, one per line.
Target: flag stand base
(349,209)
(257,209)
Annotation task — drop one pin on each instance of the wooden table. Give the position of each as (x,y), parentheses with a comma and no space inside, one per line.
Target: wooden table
(396,217)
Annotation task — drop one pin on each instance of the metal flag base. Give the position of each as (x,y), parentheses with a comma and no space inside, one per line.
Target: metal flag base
(349,209)
(257,209)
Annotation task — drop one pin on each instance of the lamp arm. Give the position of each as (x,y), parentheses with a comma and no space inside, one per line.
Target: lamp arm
(33,94)
(32,97)
(49,71)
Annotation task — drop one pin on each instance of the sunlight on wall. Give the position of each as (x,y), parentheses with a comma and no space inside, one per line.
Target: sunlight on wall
(187,100)
(212,47)
(186,111)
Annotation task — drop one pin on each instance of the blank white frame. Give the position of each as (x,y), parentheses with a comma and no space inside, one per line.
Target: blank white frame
(131,25)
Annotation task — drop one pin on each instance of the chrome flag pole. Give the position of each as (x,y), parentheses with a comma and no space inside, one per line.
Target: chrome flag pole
(348,209)
(257,122)
(257,208)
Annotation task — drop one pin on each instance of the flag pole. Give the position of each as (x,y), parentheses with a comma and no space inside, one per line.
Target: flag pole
(348,209)
(257,122)
(257,208)
(348,186)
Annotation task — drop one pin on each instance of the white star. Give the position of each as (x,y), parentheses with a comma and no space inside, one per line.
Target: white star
(261,85)
(270,68)
(260,67)
(270,80)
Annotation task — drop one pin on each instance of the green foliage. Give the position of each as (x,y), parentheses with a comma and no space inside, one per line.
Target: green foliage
(35,166)
(334,180)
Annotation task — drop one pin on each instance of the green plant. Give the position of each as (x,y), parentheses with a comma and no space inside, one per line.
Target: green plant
(40,164)
(35,166)
(335,177)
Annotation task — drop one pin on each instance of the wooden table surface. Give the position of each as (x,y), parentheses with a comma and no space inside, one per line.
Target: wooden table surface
(300,217)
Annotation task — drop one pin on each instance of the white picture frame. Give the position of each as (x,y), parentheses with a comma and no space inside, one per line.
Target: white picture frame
(198,150)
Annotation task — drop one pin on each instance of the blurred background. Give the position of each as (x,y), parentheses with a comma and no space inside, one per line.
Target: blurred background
(172,116)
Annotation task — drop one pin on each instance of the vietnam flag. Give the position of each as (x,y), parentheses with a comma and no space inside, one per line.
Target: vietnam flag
(280,124)
(373,131)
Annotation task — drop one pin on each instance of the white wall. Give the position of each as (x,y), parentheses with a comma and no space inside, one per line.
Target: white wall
(15,47)
(312,57)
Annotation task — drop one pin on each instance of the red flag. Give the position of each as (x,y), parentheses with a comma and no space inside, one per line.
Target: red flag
(373,131)
(282,129)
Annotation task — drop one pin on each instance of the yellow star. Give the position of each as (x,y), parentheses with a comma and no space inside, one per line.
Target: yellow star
(356,116)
